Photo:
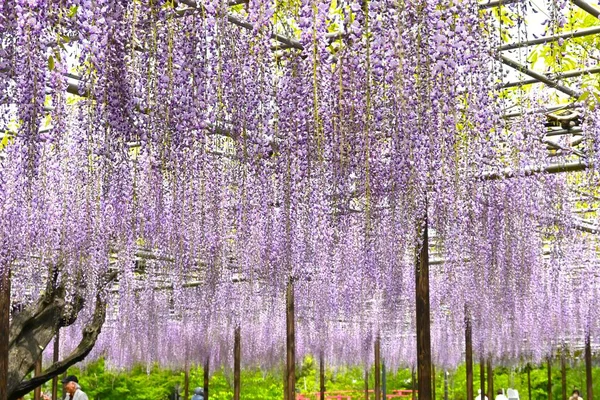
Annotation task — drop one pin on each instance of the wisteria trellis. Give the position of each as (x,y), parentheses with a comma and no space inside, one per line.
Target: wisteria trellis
(210,166)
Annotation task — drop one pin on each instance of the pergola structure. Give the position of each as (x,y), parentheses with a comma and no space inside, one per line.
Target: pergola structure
(563,141)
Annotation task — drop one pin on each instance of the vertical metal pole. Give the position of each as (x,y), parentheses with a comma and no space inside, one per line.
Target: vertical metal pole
(482,376)
(445,385)
(588,366)
(383,381)
(432,381)
(322,376)
(563,374)
(237,349)
(490,379)
(285,383)
(291,343)
(55,360)
(469,355)
(529,380)
(366,384)
(4,328)
(37,392)
(414,384)
(549,378)
(206,377)
(377,369)
(186,383)
(423,317)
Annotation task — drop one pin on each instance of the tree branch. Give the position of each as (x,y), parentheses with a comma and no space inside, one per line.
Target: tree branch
(90,335)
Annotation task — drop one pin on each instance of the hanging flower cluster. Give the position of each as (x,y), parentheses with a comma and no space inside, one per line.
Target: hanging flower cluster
(212,166)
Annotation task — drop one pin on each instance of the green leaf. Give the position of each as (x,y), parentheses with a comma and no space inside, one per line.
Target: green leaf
(72,11)
(584,96)
(51,63)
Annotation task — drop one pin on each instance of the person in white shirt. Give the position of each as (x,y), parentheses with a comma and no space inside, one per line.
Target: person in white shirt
(479,395)
(72,389)
(575,395)
(501,395)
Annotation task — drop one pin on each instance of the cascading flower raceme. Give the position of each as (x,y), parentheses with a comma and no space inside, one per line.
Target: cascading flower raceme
(212,166)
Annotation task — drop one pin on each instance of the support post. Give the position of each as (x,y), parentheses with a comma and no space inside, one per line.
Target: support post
(383,381)
(549,378)
(490,379)
(186,383)
(414,384)
(291,343)
(423,316)
(588,366)
(37,392)
(55,360)
(563,373)
(366,384)
(529,380)
(322,376)
(432,381)
(469,355)
(482,376)
(206,377)
(377,369)
(237,350)
(4,328)
(445,385)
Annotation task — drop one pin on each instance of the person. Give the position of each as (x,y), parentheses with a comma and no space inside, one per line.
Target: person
(479,395)
(72,389)
(198,394)
(575,395)
(500,395)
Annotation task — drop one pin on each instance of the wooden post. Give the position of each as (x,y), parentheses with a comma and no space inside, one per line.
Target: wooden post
(37,392)
(432,381)
(377,369)
(237,350)
(206,377)
(4,328)
(469,355)
(186,383)
(366,384)
(290,343)
(588,366)
(55,360)
(423,317)
(383,381)
(482,376)
(322,376)
(445,385)
(414,384)
(490,379)
(529,380)
(549,378)
(563,374)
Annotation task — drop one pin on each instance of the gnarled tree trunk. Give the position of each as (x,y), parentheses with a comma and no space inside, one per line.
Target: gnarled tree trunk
(33,328)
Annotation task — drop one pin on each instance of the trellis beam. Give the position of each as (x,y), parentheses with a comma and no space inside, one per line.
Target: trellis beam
(548,39)
(562,75)
(540,77)
(585,6)
(497,3)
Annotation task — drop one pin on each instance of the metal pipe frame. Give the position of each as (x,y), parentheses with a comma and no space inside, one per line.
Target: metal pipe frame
(540,77)
(562,75)
(568,35)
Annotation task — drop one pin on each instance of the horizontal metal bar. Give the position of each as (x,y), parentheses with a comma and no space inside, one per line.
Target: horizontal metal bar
(549,169)
(568,74)
(585,6)
(539,77)
(496,3)
(567,35)
(540,110)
